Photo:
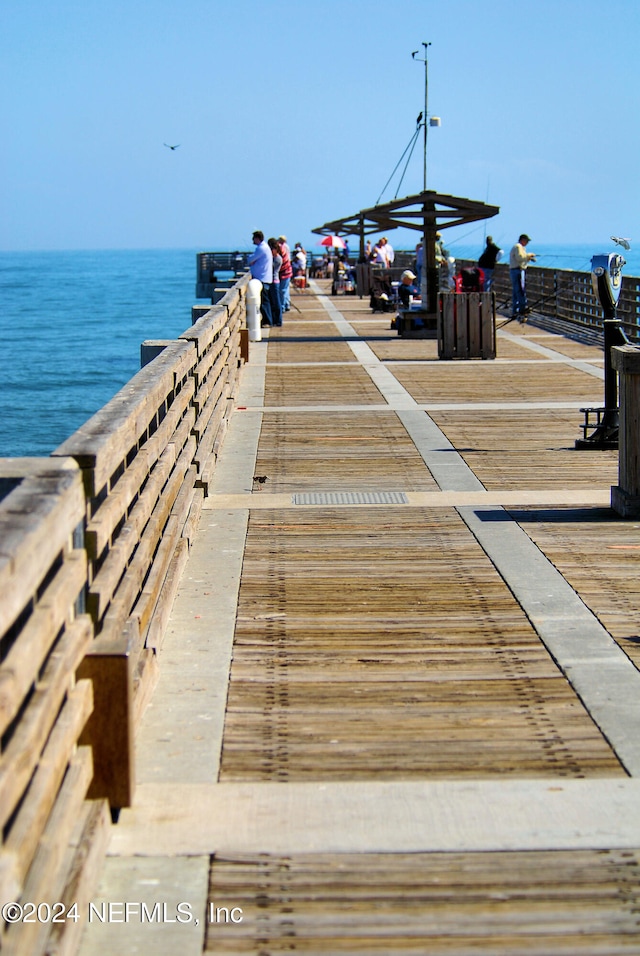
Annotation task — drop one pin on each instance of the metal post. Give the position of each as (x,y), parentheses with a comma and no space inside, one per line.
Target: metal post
(424,119)
(426,280)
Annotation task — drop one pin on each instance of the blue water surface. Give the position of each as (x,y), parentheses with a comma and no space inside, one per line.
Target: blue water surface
(71,325)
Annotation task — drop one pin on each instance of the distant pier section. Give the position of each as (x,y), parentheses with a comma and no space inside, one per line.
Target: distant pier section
(217,272)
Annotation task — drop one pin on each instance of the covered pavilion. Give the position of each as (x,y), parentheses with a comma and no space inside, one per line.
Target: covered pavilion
(427,212)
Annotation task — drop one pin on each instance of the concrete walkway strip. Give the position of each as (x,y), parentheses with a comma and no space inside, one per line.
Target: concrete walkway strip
(443,461)
(180,738)
(380,817)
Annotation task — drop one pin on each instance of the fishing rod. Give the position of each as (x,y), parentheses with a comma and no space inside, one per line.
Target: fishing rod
(538,302)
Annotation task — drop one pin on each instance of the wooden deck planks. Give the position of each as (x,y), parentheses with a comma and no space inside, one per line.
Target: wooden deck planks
(489,381)
(326,386)
(510,448)
(340,673)
(534,903)
(328,452)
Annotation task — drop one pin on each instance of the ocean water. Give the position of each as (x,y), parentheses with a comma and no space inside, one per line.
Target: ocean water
(71,325)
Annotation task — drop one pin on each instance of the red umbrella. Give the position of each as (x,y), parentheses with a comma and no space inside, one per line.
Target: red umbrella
(334,241)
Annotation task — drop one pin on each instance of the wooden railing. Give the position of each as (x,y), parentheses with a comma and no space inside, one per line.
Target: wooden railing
(567,296)
(53,838)
(94,540)
(146,459)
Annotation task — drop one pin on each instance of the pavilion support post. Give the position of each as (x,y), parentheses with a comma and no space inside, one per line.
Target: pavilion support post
(431,269)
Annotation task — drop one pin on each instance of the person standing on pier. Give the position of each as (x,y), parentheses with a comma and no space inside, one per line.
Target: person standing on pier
(378,257)
(519,259)
(286,273)
(274,288)
(261,265)
(419,261)
(388,252)
(487,262)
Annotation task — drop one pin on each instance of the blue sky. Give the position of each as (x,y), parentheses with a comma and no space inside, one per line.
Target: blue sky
(291,115)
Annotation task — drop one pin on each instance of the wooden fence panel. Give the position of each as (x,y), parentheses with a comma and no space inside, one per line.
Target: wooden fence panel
(44,707)
(567,296)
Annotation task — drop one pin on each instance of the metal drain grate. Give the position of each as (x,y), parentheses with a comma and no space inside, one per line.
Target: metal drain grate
(351,498)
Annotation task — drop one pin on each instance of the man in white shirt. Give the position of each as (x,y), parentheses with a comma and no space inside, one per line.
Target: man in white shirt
(387,251)
(519,259)
(261,265)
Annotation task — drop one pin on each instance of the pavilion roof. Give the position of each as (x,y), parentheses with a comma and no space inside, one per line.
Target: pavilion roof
(439,210)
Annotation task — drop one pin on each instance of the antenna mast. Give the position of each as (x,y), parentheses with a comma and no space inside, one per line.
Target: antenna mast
(426,105)
(426,124)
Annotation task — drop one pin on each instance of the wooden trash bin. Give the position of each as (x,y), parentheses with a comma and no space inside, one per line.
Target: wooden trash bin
(467,325)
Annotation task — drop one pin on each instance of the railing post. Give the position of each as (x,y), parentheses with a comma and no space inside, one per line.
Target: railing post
(625,496)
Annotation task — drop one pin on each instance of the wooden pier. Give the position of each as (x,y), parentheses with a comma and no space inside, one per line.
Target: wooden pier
(397,706)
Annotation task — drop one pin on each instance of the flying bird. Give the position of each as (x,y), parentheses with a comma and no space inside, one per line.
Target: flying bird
(625,243)
(172,147)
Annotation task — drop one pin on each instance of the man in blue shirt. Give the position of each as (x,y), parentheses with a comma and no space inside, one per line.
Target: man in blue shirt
(261,264)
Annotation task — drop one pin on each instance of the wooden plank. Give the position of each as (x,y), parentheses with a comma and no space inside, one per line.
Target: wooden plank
(129,588)
(441,903)
(110,575)
(45,879)
(146,602)
(244,345)
(488,326)
(10,887)
(193,520)
(184,499)
(162,612)
(27,654)
(205,444)
(25,746)
(461,347)
(156,583)
(144,682)
(474,348)
(210,388)
(36,523)
(205,331)
(213,360)
(42,793)
(448,326)
(102,525)
(88,851)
